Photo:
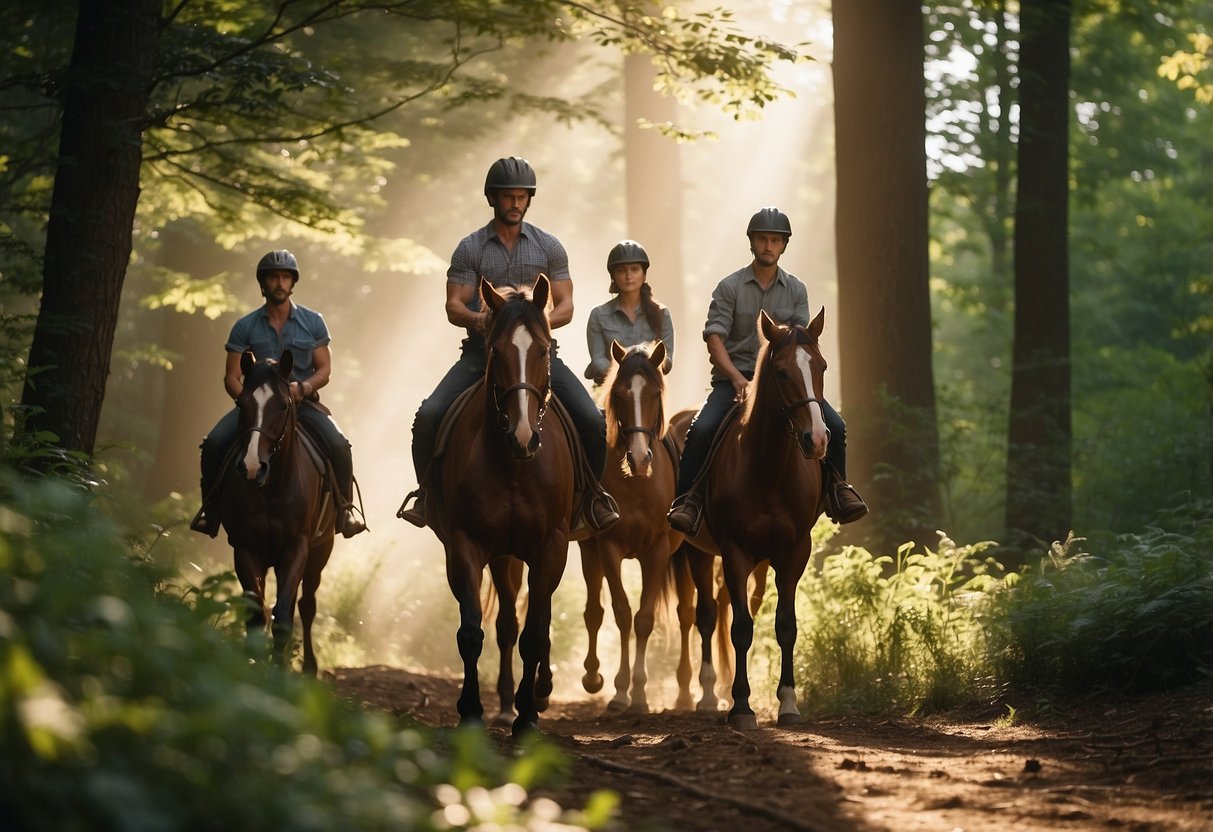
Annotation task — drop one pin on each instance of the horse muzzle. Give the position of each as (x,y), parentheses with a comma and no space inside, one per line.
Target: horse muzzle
(258,478)
(810,448)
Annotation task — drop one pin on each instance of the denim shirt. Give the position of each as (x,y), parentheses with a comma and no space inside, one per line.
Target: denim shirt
(303,331)
(733,313)
(482,253)
(610,323)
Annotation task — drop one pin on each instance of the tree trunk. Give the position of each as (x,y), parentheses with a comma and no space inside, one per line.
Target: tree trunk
(654,190)
(88,240)
(1039,490)
(888,392)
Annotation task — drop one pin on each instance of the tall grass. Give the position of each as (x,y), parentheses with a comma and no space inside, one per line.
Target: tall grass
(894,634)
(931,629)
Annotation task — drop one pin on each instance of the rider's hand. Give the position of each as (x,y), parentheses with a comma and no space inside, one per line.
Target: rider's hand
(297,391)
(740,385)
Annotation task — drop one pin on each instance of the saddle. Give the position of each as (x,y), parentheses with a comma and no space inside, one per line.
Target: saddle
(581,490)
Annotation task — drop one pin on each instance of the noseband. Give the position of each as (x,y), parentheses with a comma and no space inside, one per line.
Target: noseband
(277,440)
(543,395)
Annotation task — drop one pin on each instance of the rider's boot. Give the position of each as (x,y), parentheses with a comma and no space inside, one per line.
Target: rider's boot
(350,522)
(206,521)
(686,512)
(604,511)
(416,514)
(844,504)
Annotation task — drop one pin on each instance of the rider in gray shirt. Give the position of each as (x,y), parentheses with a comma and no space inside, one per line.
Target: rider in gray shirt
(731,333)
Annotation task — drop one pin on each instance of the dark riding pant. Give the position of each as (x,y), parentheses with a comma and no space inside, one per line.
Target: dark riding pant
(590,424)
(319,425)
(707,422)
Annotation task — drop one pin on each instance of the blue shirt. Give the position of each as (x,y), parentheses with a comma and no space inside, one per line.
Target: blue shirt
(303,331)
(482,253)
(610,323)
(733,313)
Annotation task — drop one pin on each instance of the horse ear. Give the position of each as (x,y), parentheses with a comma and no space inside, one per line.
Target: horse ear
(657,356)
(286,363)
(818,323)
(247,360)
(618,352)
(490,298)
(767,324)
(539,295)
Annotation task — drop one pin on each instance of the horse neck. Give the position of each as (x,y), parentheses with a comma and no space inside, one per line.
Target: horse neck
(766,442)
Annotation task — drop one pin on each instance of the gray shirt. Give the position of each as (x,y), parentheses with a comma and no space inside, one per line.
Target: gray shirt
(733,313)
(482,253)
(303,331)
(610,323)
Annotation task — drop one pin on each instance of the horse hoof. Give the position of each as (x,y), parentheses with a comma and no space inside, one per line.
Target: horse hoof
(471,722)
(541,704)
(503,720)
(684,703)
(790,719)
(616,706)
(638,708)
(706,707)
(592,682)
(743,722)
(523,727)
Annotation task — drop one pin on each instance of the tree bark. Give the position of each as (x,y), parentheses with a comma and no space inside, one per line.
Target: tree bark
(1039,489)
(88,240)
(888,392)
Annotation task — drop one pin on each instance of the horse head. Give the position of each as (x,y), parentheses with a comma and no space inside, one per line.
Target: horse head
(635,404)
(519,342)
(792,369)
(267,414)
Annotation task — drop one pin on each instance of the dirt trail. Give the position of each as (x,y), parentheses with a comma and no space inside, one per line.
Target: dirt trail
(1144,765)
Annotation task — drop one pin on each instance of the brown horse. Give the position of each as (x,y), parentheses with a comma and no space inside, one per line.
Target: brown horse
(275,507)
(764,495)
(505,490)
(641,475)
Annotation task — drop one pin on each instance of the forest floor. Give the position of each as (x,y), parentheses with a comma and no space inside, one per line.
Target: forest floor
(1136,764)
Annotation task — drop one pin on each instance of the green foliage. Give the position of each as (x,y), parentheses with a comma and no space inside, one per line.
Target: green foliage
(122,708)
(880,634)
(1139,617)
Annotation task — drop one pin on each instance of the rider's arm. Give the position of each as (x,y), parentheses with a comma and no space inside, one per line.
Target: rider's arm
(322,369)
(720,358)
(562,303)
(232,374)
(458,298)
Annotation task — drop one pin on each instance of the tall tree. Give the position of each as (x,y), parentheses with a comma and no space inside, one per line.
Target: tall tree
(88,238)
(888,393)
(1039,490)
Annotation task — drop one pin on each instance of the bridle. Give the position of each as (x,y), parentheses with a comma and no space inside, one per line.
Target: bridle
(790,408)
(277,440)
(544,395)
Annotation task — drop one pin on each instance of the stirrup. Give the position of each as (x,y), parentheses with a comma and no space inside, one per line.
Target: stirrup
(416,514)
(686,514)
(351,521)
(203,524)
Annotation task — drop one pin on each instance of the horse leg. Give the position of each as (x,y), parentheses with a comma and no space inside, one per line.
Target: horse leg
(591,570)
(252,582)
(612,564)
(282,623)
(706,612)
(737,569)
(535,645)
(785,634)
(653,565)
(759,589)
(463,576)
(317,559)
(507,579)
(685,589)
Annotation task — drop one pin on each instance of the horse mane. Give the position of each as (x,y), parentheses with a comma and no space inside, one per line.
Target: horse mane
(518,307)
(635,362)
(789,331)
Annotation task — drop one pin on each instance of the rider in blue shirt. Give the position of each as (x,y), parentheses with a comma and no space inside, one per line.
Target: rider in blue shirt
(268,332)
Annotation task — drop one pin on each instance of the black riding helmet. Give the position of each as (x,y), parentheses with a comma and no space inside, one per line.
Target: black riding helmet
(278,260)
(509,172)
(770,220)
(627,251)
